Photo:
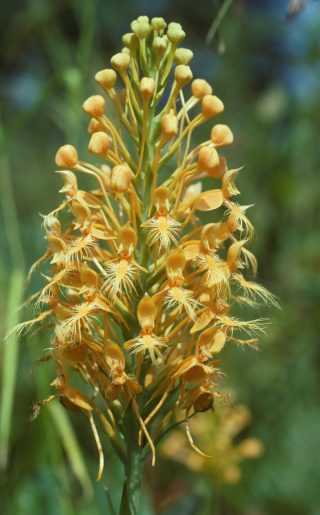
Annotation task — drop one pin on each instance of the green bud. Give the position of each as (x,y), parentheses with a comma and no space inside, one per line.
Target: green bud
(120,62)
(175,33)
(160,44)
(125,50)
(183,74)
(158,24)
(143,19)
(140,28)
(183,56)
(130,40)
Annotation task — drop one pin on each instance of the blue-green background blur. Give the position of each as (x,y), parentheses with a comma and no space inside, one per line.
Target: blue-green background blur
(269,79)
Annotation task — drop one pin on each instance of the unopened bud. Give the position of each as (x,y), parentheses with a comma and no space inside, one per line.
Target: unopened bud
(158,24)
(99,143)
(147,87)
(125,50)
(221,135)
(211,106)
(130,40)
(140,28)
(182,74)
(120,62)
(95,126)
(169,125)
(66,157)
(143,19)
(183,56)
(106,78)
(94,106)
(159,45)
(175,33)
(200,88)
(120,178)
(208,158)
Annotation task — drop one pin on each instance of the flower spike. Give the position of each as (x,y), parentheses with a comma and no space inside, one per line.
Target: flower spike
(142,270)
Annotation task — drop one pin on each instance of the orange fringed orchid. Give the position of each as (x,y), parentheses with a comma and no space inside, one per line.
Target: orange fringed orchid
(139,289)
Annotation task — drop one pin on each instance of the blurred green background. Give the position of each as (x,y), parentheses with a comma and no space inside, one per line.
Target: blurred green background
(266,69)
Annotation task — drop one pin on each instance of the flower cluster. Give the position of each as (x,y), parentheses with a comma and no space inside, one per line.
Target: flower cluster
(143,271)
(219,432)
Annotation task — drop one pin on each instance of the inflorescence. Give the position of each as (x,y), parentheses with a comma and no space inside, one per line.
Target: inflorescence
(143,271)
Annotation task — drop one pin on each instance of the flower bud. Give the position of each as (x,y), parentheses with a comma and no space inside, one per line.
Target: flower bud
(95,126)
(200,88)
(94,106)
(120,178)
(147,87)
(120,62)
(66,157)
(106,78)
(159,45)
(208,158)
(99,143)
(126,50)
(183,56)
(130,40)
(221,135)
(158,24)
(140,28)
(211,106)
(143,19)
(169,125)
(175,33)
(182,74)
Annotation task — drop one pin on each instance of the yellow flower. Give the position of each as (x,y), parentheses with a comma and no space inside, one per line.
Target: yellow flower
(139,291)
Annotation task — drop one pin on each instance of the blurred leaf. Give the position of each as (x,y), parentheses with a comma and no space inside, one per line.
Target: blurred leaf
(10,356)
(215,26)
(70,443)
(10,348)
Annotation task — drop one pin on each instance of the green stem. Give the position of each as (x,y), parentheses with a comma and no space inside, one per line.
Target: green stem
(133,467)
(132,484)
